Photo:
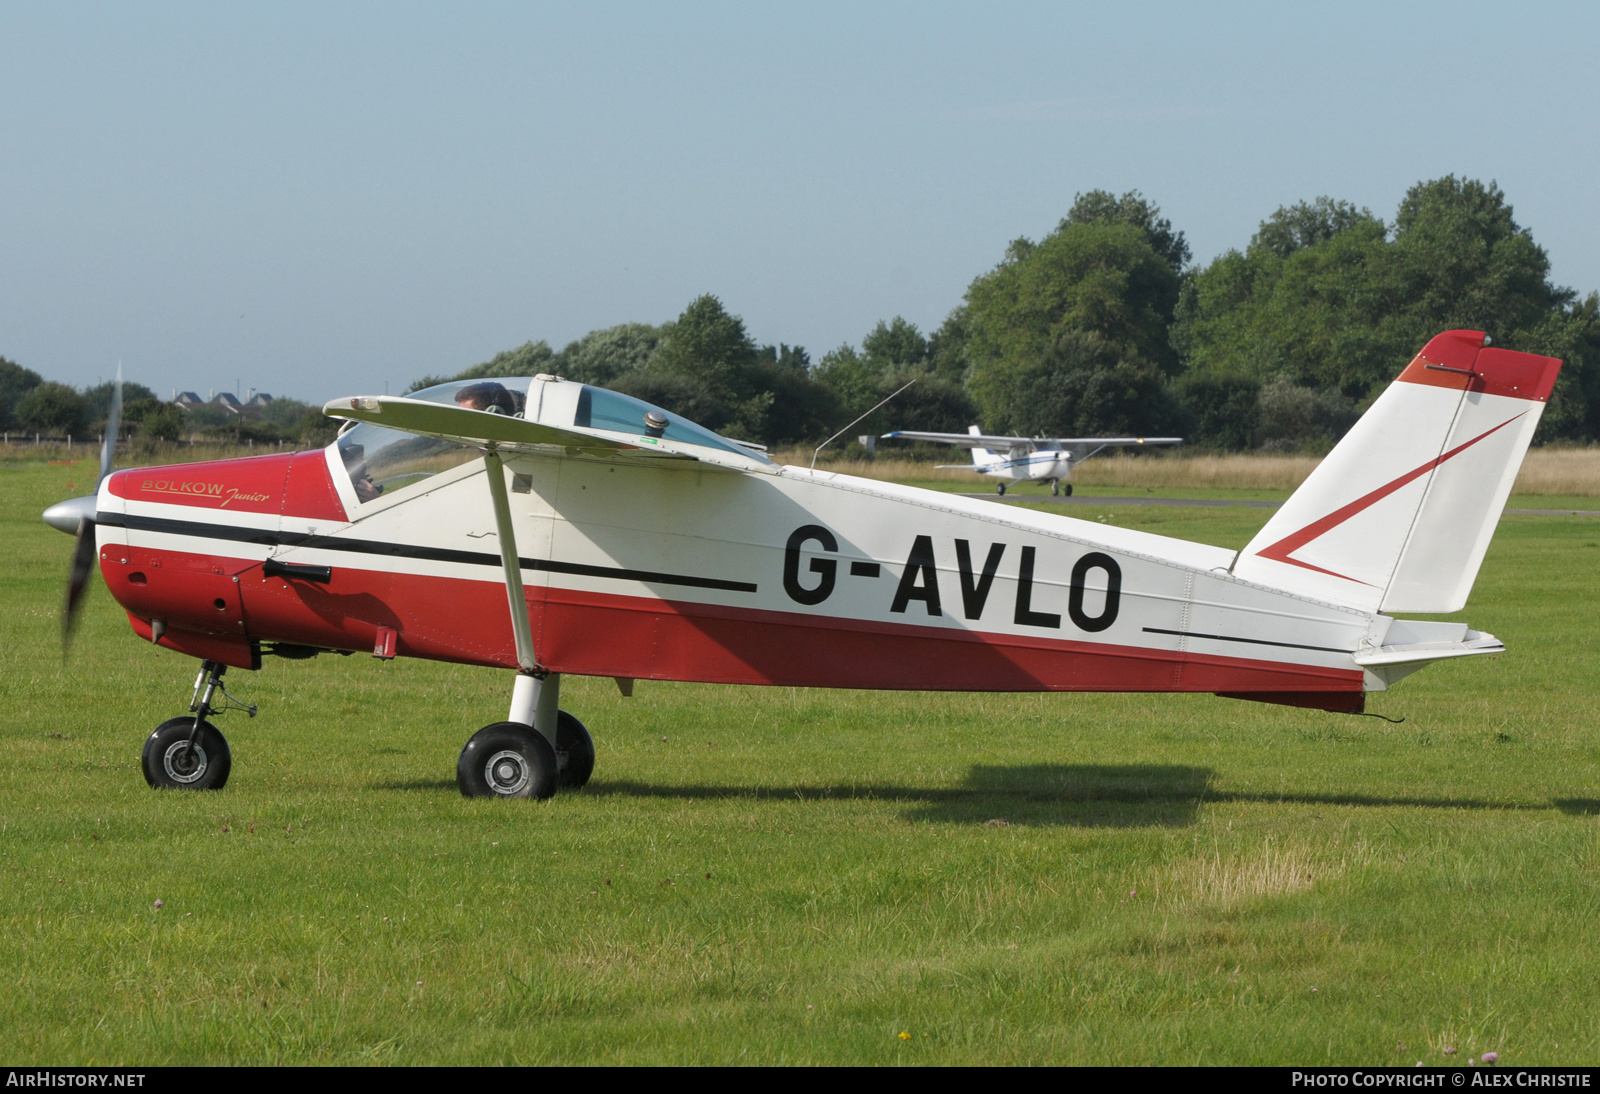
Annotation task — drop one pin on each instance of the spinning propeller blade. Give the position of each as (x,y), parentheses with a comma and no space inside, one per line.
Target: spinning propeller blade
(83,551)
(113,421)
(82,564)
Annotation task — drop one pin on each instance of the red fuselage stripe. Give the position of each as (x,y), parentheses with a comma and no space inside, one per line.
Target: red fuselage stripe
(602,634)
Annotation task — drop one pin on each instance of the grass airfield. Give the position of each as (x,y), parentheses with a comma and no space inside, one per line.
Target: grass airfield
(783,876)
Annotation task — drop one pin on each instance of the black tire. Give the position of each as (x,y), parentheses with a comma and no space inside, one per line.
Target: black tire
(574,750)
(170,765)
(1067,490)
(507,760)
(1001,490)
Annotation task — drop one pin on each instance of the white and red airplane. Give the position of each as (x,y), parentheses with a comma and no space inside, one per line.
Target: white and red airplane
(1025,459)
(631,544)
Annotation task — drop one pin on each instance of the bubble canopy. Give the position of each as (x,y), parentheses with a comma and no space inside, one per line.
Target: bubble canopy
(380,460)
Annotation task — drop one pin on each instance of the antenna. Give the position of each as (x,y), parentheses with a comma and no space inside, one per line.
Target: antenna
(847,428)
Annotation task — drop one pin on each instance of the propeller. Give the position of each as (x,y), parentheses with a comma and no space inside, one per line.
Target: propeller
(77,515)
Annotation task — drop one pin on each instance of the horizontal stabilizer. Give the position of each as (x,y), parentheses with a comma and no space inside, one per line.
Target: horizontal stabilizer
(1411,644)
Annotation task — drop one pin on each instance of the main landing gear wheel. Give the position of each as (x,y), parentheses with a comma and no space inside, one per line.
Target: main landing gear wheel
(1067,490)
(170,762)
(1001,490)
(574,750)
(508,760)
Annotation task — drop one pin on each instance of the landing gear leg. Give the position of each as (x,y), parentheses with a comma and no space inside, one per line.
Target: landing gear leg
(574,747)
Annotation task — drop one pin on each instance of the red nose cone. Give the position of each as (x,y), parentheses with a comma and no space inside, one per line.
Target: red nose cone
(163,556)
(292,484)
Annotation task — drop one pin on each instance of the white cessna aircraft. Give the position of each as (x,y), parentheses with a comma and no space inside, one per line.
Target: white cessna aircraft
(1026,459)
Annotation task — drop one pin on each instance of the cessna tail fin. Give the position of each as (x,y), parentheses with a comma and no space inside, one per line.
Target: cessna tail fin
(1399,515)
(981,457)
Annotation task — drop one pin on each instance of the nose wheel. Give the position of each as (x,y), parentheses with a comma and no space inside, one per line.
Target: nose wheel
(189,753)
(181,755)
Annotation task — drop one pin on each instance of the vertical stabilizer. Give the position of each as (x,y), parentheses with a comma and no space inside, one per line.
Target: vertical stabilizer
(1399,515)
(981,457)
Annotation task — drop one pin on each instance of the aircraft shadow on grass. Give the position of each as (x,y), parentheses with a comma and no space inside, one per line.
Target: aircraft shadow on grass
(1080,795)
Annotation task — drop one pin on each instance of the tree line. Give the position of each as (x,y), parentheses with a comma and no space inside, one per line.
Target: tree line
(31,404)
(1104,326)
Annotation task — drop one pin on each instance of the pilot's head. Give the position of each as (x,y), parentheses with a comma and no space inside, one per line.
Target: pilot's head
(355,461)
(487,395)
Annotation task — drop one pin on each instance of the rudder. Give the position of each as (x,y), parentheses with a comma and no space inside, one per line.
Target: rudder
(981,457)
(1400,514)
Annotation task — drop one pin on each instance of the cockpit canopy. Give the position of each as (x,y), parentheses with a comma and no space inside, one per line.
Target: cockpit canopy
(381,460)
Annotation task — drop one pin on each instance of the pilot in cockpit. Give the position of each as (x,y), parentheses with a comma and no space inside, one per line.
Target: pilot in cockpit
(355,460)
(490,396)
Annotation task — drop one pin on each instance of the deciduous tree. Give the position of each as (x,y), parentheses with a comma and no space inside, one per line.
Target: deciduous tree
(52,408)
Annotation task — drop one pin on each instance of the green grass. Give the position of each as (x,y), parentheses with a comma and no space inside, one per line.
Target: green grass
(1033,492)
(1177,879)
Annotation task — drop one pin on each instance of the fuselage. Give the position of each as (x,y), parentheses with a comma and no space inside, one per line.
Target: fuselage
(753,575)
(1040,465)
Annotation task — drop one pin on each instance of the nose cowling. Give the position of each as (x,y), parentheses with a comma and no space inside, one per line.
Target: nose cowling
(65,516)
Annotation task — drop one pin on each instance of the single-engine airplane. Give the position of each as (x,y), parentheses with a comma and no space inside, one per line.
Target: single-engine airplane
(1026,459)
(548,527)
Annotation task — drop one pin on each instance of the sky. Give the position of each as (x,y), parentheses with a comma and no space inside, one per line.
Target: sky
(324,199)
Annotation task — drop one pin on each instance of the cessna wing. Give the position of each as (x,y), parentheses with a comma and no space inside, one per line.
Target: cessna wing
(997,444)
(962,440)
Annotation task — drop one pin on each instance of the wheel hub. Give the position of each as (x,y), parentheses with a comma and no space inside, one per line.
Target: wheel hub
(184,764)
(507,772)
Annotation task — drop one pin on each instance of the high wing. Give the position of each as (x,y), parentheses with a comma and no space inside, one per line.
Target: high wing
(1084,447)
(964,440)
(1079,448)
(510,434)
(994,443)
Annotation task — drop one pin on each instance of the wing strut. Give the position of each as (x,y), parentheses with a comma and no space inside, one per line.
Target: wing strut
(536,695)
(527,658)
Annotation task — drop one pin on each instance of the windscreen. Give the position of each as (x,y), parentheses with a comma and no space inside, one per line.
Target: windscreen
(381,461)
